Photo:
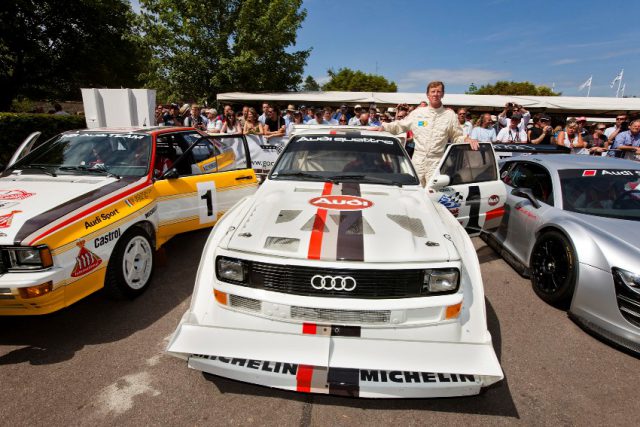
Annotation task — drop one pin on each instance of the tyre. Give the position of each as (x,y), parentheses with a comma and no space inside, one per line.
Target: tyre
(130,266)
(553,268)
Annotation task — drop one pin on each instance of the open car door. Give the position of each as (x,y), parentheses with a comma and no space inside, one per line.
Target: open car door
(199,178)
(468,184)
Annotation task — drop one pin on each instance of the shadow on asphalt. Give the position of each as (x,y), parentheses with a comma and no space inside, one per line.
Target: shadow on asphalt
(494,400)
(486,254)
(56,337)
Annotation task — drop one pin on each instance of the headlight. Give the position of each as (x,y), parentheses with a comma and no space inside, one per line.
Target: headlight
(441,281)
(27,258)
(629,279)
(231,270)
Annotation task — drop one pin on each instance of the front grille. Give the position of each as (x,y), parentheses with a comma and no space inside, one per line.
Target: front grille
(296,280)
(243,303)
(3,263)
(341,316)
(628,301)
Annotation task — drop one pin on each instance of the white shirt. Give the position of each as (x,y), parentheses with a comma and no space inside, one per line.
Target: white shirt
(504,121)
(466,128)
(518,136)
(484,134)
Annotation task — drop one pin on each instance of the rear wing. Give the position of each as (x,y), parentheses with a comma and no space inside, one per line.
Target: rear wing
(509,150)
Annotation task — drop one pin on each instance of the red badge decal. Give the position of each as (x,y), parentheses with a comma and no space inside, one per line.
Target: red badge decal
(341,203)
(14,194)
(494,200)
(589,172)
(85,261)
(5,220)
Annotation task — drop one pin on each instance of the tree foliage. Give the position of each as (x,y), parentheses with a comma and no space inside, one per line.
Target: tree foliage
(503,87)
(49,49)
(310,85)
(203,48)
(357,81)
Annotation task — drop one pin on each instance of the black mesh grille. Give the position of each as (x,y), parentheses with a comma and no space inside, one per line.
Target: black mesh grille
(296,280)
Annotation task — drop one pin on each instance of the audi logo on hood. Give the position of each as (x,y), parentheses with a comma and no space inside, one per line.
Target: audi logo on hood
(341,203)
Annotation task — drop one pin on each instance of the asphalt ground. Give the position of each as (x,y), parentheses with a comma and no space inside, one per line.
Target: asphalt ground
(102,362)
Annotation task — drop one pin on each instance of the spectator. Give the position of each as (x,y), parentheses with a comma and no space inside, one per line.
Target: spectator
(251,124)
(353,121)
(342,121)
(513,133)
(172,117)
(363,119)
(263,116)
(306,114)
(328,116)
(214,124)
(297,120)
(596,141)
(195,119)
(432,127)
(629,141)
(318,119)
(510,109)
(288,116)
(374,117)
(231,124)
(159,115)
(620,126)
(464,123)
(582,126)
(343,111)
(570,138)
(541,132)
(274,124)
(243,118)
(485,132)
(59,111)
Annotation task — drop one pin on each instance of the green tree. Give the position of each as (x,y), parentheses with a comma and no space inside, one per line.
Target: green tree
(310,85)
(512,88)
(49,49)
(357,81)
(203,48)
(472,89)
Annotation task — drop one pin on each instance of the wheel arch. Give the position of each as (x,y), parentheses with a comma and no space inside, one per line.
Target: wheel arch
(148,228)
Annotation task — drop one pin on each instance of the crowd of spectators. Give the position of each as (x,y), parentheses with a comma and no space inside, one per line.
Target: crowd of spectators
(514,125)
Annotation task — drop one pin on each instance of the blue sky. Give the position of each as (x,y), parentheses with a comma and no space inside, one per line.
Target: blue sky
(558,43)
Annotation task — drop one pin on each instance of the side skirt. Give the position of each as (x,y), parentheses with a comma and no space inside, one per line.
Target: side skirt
(516,264)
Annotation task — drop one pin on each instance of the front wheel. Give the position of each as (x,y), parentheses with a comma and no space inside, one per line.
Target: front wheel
(130,266)
(553,268)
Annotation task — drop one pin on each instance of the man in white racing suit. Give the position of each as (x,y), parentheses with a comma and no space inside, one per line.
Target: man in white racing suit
(432,126)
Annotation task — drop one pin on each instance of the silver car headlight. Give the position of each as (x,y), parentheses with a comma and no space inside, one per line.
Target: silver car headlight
(629,279)
(441,281)
(27,258)
(231,270)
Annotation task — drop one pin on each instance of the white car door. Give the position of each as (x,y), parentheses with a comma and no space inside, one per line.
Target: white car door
(467,183)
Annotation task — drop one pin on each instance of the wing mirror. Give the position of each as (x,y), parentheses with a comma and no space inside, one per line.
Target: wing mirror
(526,193)
(171,174)
(440,181)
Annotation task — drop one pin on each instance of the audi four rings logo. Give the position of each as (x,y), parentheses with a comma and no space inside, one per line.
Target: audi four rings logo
(333,283)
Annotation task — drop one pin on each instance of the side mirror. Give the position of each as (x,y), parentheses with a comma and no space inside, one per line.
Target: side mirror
(171,174)
(440,181)
(526,193)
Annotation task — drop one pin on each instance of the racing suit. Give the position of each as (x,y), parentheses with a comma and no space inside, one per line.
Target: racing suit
(432,128)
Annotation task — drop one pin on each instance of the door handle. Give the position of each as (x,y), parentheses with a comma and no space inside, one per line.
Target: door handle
(238,178)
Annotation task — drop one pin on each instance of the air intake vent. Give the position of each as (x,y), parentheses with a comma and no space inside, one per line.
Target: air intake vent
(282,244)
(341,316)
(286,216)
(243,303)
(412,225)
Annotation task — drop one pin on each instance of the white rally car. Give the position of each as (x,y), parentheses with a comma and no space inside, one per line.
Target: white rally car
(342,276)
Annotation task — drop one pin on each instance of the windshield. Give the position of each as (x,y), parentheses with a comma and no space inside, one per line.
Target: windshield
(117,154)
(609,193)
(376,160)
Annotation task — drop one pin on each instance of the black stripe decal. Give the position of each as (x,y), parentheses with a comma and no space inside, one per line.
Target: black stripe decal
(473,201)
(350,244)
(344,382)
(37,222)
(345,331)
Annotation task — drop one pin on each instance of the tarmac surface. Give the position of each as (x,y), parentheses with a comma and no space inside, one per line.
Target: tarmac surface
(102,362)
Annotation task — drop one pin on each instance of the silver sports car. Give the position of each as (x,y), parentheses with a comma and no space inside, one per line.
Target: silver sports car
(571,224)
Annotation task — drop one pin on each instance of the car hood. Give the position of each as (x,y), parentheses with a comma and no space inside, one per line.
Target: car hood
(622,234)
(343,222)
(36,199)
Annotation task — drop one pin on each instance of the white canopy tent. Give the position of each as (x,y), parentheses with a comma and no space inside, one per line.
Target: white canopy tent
(575,105)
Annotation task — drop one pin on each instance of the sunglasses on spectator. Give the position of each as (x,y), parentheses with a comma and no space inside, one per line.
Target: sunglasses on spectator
(620,119)
(601,128)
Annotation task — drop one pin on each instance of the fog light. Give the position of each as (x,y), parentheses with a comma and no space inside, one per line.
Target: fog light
(36,291)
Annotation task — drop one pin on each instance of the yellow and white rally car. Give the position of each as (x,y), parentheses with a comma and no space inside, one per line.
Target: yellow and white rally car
(87,209)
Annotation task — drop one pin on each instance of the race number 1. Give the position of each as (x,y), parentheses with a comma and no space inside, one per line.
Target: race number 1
(207,206)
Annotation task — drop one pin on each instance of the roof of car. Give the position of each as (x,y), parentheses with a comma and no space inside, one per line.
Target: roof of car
(575,161)
(132,129)
(337,130)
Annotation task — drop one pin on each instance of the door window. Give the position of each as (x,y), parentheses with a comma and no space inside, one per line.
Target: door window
(465,166)
(533,177)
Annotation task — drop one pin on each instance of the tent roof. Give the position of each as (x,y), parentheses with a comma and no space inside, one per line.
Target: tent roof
(566,104)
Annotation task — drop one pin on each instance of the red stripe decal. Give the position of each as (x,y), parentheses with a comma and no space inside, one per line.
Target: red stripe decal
(495,213)
(315,243)
(303,378)
(309,328)
(91,210)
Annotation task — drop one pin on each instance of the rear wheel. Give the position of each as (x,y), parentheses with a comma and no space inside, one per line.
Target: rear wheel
(553,268)
(130,266)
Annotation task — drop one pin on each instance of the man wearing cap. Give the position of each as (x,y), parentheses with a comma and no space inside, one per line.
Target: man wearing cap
(510,109)
(432,126)
(541,132)
(288,116)
(582,126)
(513,133)
(485,132)
(353,121)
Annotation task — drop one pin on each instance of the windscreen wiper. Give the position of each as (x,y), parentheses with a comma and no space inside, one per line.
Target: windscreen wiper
(99,169)
(376,179)
(44,169)
(299,174)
